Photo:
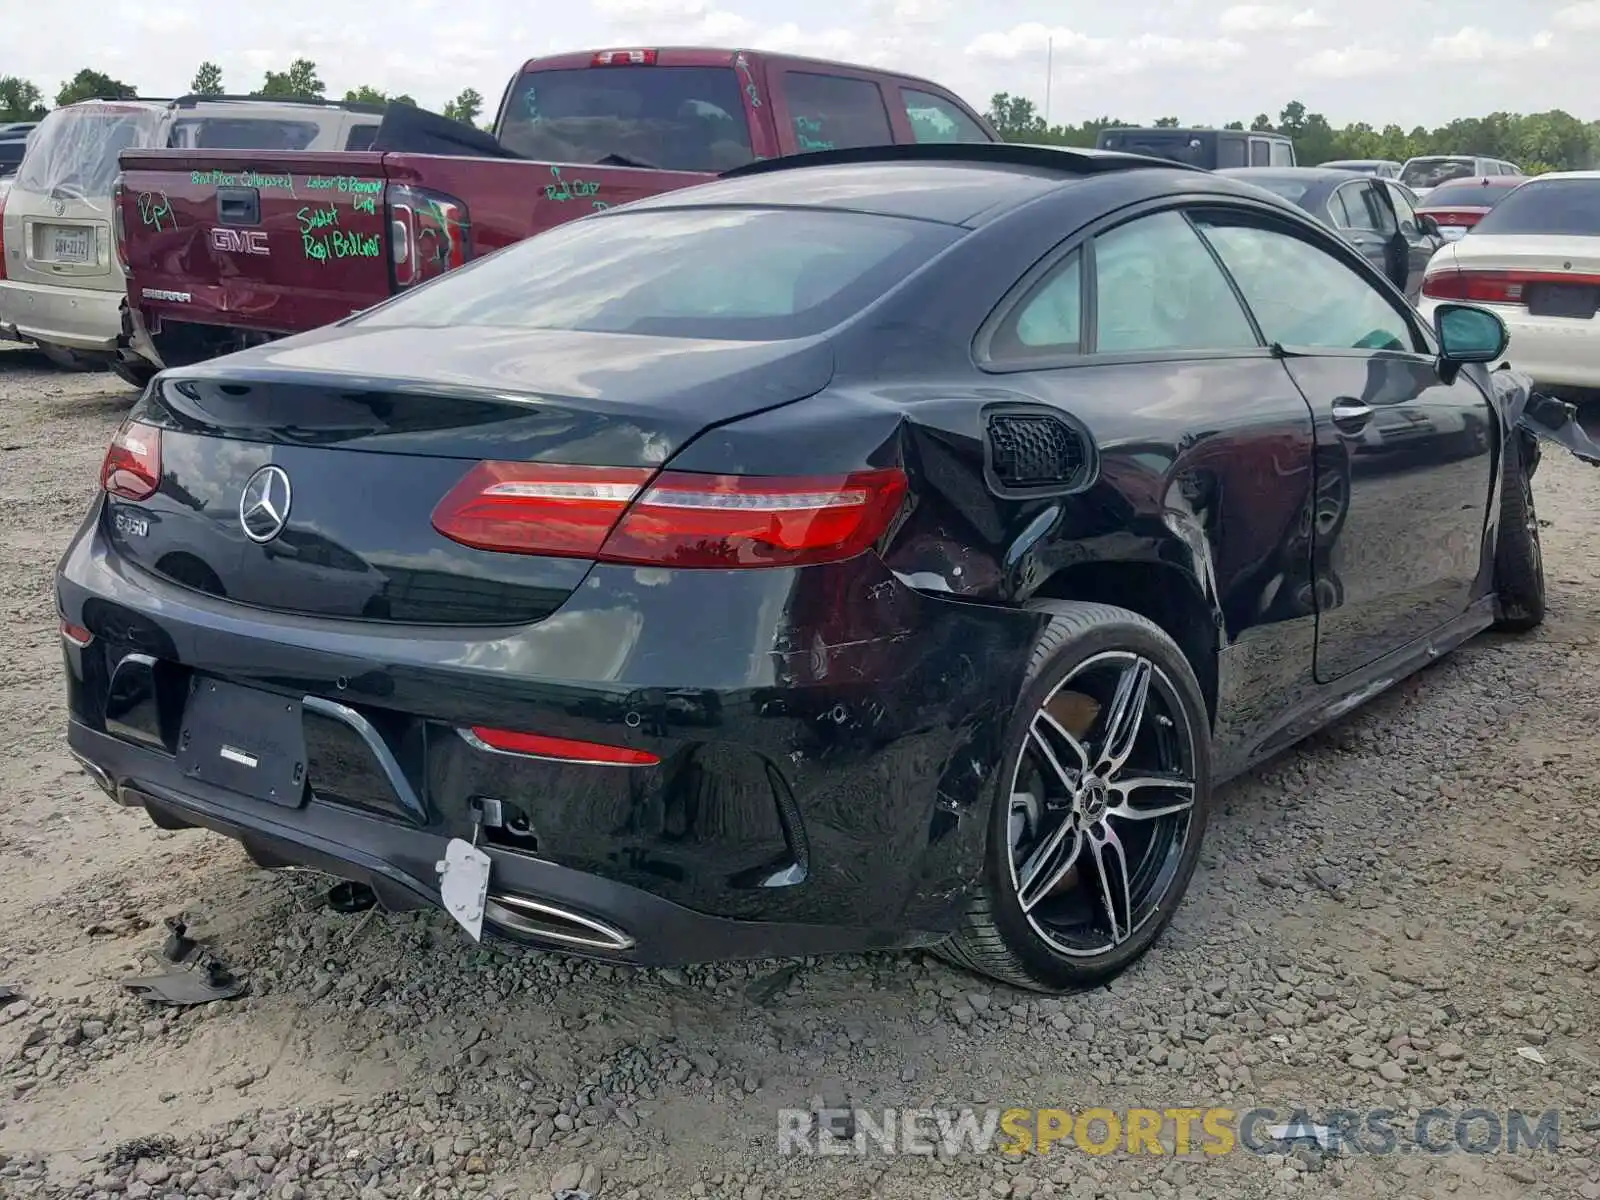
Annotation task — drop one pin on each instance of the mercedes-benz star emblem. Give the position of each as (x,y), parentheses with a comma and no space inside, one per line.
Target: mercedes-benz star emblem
(264,504)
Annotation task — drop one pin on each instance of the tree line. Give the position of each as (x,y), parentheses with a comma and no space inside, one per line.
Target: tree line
(22,99)
(1537,142)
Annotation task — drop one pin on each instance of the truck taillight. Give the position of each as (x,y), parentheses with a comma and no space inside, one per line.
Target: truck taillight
(676,519)
(119,224)
(429,233)
(624,58)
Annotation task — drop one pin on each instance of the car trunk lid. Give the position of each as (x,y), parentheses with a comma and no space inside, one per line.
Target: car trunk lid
(365,458)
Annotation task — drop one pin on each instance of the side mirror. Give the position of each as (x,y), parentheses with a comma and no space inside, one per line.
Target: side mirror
(1428,224)
(1469,335)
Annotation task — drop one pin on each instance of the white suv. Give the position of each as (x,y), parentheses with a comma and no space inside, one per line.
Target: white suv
(61,286)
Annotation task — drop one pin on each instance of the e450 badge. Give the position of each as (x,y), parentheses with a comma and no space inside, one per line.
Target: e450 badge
(129,524)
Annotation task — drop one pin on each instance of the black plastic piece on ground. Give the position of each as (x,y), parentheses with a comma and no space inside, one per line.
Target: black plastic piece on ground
(348,897)
(178,945)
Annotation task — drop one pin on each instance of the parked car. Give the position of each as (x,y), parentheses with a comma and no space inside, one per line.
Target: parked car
(1373,214)
(61,285)
(1534,260)
(575,133)
(1207,148)
(958,494)
(1383,168)
(1428,171)
(1458,206)
(12,148)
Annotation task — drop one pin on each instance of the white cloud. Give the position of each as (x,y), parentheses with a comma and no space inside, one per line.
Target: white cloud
(1351,62)
(1268,18)
(1032,38)
(1472,44)
(1583,17)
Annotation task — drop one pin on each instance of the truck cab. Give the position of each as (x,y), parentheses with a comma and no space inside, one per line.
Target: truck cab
(1210,149)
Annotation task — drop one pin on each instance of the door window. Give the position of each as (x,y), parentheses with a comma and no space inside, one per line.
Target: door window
(1282,154)
(935,119)
(1302,294)
(1260,153)
(835,112)
(1404,213)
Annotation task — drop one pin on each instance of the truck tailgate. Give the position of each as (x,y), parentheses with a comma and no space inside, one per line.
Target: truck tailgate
(275,241)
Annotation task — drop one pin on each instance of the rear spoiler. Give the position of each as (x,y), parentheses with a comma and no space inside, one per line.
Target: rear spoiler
(407,129)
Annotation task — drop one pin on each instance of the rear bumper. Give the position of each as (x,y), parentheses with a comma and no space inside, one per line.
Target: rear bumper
(78,318)
(823,786)
(1555,351)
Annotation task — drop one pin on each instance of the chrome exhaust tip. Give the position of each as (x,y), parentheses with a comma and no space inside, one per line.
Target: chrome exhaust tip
(96,773)
(550,923)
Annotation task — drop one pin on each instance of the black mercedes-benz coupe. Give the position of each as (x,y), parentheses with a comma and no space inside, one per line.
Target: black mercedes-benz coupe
(877,548)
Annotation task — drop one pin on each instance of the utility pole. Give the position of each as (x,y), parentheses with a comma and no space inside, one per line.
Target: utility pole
(1049,75)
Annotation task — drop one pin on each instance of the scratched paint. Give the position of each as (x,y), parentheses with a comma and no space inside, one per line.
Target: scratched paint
(563,190)
(155,211)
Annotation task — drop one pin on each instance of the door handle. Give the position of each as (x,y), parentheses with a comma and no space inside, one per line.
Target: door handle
(1351,415)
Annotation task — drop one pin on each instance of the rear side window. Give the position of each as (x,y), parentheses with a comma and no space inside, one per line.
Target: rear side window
(1157,289)
(835,112)
(74,151)
(1260,153)
(674,118)
(665,273)
(1565,207)
(1231,152)
(935,119)
(242,133)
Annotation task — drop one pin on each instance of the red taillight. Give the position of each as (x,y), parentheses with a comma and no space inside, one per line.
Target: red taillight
(680,520)
(119,223)
(538,745)
(76,634)
(1495,287)
(132,468)
(624,58)
(429,233)
(688,520)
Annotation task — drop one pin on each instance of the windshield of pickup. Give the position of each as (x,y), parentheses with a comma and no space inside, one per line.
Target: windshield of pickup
(674,118)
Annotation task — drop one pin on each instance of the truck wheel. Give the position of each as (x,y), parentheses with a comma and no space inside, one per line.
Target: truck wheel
(1100,807)
(1518,559)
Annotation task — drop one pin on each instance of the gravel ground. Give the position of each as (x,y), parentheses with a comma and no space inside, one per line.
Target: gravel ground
(1399,914)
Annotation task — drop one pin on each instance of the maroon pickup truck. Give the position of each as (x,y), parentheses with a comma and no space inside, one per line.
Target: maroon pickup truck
(224,249)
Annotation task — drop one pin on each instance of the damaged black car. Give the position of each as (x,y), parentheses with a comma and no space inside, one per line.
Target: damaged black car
(878,548)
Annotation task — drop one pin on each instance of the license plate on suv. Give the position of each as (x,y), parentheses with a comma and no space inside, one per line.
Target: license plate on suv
(244,740)
(69,244)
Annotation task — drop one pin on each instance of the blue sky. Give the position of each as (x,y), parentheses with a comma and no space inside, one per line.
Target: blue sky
(1410,61)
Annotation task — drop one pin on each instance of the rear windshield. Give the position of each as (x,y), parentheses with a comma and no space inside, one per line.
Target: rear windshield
(666,273)
(242,133)
(1472,195)
(675,118)
(1431,172)
(1182,147)
(1569,207)
(74,151)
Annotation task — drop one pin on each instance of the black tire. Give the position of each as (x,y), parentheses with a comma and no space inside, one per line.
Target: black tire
(1518,558)
(996,936)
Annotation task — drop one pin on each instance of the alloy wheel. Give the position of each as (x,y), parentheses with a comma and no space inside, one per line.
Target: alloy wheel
(1101,804)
